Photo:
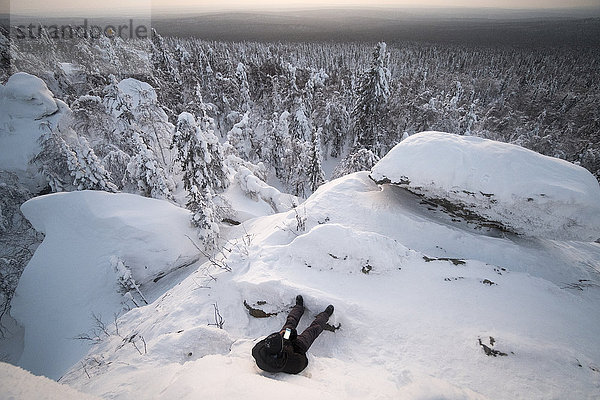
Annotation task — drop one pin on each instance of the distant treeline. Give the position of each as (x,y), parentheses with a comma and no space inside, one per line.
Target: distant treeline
(371,27)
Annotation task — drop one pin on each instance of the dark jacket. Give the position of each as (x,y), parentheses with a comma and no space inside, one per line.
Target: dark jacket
(291,360)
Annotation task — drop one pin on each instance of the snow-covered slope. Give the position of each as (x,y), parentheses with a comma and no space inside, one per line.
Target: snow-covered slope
(523,190)
(419,301)
(427,305)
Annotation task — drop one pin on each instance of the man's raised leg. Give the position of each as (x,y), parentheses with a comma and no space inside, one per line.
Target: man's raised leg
(306,338)
(295,314)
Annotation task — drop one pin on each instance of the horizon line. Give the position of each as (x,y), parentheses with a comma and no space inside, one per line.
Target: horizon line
(201,11)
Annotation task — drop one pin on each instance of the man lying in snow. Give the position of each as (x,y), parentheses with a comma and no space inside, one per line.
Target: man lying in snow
(285,351)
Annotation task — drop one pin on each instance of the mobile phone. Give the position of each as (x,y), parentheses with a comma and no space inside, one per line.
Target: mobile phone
(287,333)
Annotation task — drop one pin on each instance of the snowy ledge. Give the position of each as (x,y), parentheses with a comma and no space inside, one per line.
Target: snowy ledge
(501,184)
(96,245)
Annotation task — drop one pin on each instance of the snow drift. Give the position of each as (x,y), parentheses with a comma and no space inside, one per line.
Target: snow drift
(524,191)
(16,383)
(75,273)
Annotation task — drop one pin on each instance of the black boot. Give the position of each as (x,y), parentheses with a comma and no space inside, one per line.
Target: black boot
(329,310)
(299,300)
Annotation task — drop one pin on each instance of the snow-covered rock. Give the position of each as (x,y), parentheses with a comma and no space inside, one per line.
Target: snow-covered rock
(73,274)
(28,110)
(417,297)
(422,301)
(526,192)
(32,91)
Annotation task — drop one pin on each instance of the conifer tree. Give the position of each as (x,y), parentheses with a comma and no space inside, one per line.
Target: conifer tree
(362,160)
(315,174)
(87,170)
(72,166)
(278,143)
(53,160)
(204,174)
(243,88)
(166,74)
(240,138)
(297,167)
(145,172)
(335,127)
(370,111)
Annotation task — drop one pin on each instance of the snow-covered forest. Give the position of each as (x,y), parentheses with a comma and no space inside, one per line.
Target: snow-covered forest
(236,130)
(541,98)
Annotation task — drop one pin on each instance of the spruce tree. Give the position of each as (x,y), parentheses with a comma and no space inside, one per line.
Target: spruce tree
(315,174)
(87,170)
(145,172)
(240,138)
(72,166)
(53,160)
(370,111)
(362,160)
(204,174)
(335,127)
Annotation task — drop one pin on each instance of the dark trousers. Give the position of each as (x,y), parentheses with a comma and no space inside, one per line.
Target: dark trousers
(308,336)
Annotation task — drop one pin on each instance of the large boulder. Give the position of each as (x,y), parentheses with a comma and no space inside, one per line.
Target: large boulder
(518,189)
(94,241)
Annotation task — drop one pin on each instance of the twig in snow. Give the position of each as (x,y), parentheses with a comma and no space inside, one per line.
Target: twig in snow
(211,259)
(85,370)
(219,321)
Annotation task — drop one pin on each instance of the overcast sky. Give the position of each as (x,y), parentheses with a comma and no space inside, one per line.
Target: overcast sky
(115,6)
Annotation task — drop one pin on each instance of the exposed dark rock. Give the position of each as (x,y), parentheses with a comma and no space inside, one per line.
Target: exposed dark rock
(403,181)
(257,312)
(489,351)
(231,221)
(454,279)
(455,261)
(332,328)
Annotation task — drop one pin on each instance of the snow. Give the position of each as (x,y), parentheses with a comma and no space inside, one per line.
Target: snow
(417,295)
(28,110)
(141,100)
(410,323)
(527,192)
(258,190)
(16,383)
(244,209)
(138,92)
(30,90)
(72,276)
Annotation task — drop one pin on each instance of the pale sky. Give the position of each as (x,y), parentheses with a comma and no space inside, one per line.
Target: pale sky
(145,6)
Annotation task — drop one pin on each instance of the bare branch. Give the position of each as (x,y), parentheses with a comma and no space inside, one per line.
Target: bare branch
(85,370)
(219,321)
(211,259)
